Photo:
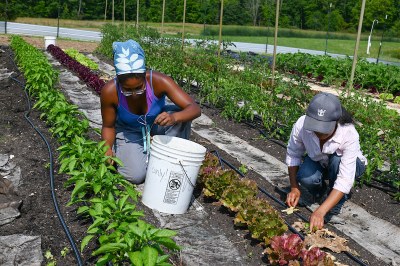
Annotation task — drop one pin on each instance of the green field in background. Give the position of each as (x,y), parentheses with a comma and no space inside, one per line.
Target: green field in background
(390,50)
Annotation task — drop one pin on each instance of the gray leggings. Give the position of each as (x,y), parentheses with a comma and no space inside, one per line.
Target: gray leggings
(129,148)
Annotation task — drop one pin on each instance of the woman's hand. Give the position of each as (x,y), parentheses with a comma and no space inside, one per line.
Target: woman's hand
(165,119)
(293,197)
(317,220)
(109,152)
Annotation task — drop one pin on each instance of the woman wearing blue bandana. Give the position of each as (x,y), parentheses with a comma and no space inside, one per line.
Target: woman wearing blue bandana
(133,108)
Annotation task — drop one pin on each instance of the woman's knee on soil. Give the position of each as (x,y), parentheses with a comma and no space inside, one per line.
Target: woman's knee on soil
(132,155)
(135,175)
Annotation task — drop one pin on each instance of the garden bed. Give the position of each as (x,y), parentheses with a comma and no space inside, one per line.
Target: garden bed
(32,155)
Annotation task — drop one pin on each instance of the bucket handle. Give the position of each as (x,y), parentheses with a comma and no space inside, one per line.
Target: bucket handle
(187,177)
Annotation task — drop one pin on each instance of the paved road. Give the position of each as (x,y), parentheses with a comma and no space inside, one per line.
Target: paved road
(37,30)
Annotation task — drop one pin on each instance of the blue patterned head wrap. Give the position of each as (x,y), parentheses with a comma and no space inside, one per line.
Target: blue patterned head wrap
(128,57)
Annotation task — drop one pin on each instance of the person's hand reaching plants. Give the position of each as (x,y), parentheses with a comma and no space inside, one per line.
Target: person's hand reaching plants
(109,152)
(293,197)
(316,220)
(165,119)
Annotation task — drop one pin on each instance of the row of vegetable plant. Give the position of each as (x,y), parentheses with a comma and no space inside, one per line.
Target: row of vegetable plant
(248,93)
(82,59)
(100,191)
(265,223)
(375,78)
(84,73)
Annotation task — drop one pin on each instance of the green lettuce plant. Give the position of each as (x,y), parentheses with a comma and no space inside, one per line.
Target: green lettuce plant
(237,193)
(263,221)
(82,59)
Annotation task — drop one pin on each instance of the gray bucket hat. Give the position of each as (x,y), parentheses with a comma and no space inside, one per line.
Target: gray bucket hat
(322,113)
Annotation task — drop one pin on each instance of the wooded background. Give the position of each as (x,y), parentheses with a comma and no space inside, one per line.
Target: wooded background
(303,14)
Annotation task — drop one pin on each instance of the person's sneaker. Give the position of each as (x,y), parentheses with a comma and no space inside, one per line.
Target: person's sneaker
(319,198)
(322,194)
(337,209)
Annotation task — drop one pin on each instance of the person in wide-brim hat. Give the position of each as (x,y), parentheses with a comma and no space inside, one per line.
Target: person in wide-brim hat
(324,156)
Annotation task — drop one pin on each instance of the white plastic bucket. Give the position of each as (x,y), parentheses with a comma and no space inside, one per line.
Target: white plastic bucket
(162,148)
(172,171)
(49,40)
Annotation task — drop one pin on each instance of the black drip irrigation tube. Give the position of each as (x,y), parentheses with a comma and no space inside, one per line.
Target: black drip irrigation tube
(52,187)
(291,228)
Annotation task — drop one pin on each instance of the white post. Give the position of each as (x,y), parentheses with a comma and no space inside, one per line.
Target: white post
(112,12)
(275,41)
(353,67)
(220,28)
(137,14)
(124,17)
(183,24)
(370,34)
(162,17)
(105,12)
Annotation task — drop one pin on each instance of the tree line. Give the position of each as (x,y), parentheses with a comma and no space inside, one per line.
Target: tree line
(338,15)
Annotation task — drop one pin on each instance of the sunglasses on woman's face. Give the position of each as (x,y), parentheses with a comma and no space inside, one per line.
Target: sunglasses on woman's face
(135,91)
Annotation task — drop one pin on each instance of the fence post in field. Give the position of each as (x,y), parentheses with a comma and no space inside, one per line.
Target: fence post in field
(105,12)
(183,23)
(275,41)
(6,18)
(137,14)
(220,28)
(58,18)
(353,68)
(162,17)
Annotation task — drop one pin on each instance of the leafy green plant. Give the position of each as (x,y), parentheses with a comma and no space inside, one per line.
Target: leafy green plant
(386,96)
(139,242)
(217,182)
(243,169)
(263,221)
(64,252)
(372,77)
(239,195)
(238,192)
(51,261)
(81,58)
